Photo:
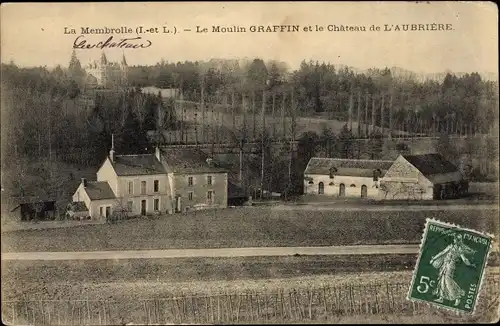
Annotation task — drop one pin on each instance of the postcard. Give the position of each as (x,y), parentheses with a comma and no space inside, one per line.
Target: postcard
(249,162)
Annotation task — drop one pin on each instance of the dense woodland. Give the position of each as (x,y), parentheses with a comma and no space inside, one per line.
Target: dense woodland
(51,115)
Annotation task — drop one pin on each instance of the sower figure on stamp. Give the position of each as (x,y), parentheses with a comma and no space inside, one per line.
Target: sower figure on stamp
(445,261)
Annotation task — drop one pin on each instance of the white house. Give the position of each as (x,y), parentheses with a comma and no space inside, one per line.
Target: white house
(165,182)
(421,177)
(344,177)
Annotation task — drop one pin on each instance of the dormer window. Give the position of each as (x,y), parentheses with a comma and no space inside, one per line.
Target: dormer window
(332,172)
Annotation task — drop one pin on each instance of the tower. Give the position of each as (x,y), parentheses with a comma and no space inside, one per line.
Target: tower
(123,70)
(112,151)
(103,69)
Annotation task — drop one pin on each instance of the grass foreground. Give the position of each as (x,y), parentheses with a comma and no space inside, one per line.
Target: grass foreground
(249,227)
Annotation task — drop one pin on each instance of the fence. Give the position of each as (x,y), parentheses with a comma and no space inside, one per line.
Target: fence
(316,304)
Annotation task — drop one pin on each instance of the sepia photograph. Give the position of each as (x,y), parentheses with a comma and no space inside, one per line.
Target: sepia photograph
(249,163)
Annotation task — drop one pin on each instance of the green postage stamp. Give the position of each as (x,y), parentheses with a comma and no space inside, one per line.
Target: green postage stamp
(450,266)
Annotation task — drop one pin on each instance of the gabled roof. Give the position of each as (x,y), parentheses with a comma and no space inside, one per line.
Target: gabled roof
(188,160)
(431,164)
(129,165)
(346,167)
(98,190)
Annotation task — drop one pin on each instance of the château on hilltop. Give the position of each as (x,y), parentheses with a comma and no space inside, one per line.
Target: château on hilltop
(101,73)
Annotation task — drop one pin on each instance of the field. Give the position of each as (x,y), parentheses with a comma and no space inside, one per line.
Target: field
(249,227)
(161,291)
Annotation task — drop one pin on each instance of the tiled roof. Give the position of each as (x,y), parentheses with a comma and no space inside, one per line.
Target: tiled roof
(188,160)
(346,167)
(147,164)
(97,190)
(430,164)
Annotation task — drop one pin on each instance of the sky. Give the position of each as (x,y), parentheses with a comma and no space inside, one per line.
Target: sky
(32,34)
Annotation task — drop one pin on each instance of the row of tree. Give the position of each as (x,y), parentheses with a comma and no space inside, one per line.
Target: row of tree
(456,104)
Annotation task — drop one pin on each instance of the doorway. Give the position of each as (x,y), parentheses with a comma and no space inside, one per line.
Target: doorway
(364,191)
(143,207)
(342,190)
(178,204)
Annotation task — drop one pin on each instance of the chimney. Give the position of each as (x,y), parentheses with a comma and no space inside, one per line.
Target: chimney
(158,153)
(112,151)
(84,182)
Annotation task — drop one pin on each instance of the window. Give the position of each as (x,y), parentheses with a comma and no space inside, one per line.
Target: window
(156,185)
(143,187)
(190,181)
(130,187)
(209,195)
(190,195)
(156,205)
(209,180)
(130,205)
(321,188)
(101,211)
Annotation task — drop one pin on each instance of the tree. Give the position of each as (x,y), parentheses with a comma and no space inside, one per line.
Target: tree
(446,148)
(306,148)
(257,75)
(346,147)
(328,141)
(274,75)
(133,139)
(375,145)
(75,69)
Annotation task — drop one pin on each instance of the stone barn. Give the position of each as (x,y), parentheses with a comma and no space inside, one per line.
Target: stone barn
(344,177)
(422,177)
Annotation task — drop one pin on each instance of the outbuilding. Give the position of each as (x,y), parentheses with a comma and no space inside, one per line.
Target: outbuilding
(32,208)
(423,177)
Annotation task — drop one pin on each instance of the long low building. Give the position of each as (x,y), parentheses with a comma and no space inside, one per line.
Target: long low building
(409,177)
(344,177)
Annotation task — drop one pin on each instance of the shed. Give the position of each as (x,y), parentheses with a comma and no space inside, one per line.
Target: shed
(28,209)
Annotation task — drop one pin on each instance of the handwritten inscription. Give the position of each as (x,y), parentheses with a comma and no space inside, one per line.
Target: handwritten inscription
(124,43)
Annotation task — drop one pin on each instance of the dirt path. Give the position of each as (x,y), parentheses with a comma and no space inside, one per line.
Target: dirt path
(219,252)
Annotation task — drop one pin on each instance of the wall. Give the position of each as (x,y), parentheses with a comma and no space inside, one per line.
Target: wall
(94,207)
(107,173)
(200,189)
(404,181)
(333,190)
(81,195)
(163,193)
(164,207)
